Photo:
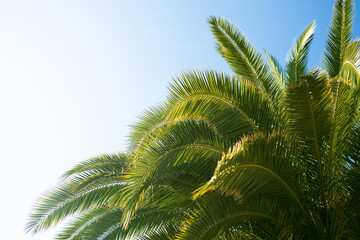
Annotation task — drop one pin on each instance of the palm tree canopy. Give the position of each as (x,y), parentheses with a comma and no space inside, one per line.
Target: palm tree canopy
(267,152)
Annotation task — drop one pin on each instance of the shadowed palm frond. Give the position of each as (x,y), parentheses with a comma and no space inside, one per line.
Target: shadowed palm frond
(258,166)
(308,102)
(209,222)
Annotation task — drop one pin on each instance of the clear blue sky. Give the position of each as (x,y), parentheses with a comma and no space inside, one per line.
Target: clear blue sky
(75,74)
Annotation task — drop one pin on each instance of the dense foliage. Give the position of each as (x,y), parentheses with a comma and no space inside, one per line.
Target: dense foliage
(265,153)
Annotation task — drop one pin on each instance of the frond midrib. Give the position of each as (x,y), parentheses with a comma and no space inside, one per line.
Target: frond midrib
(219,97)
(269,171)
(244,57)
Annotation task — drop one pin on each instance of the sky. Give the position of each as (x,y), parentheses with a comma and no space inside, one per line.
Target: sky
(74,76)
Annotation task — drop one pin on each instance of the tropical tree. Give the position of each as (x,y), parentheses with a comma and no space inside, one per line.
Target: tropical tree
(265,153)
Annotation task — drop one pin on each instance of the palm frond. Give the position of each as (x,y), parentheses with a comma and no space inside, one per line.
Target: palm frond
(116,163)
(82,224)
(309,106)
(345,103)
(276,70)
(350,69)
(258,166)
(148,222)
(149,121)
(242,56)
(95,182)
(235,106)
(209,222)
(62,202)
(298,56)
(165,233)
(339,36)
(181,149)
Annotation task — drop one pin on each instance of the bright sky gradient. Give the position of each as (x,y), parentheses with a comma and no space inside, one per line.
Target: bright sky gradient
(74,75)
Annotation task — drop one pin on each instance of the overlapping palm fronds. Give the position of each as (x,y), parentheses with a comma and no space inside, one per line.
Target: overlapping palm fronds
(269,152)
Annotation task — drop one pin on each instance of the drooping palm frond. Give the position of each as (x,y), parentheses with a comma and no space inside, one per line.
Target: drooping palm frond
(165,233)
(105,164)
(151,222)
(297,58)
(175,152)
(339,36)
(234,106)
(258,166)
(208,222)
(62,202)
(146,222)
(150,120)
(95,182)
(264,154)
(84,224)
(225,108)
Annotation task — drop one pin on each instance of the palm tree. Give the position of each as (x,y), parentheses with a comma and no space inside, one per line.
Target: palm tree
(265,153)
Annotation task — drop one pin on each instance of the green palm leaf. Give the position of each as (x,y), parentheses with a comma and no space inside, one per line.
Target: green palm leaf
(350,69)
(181,149)
(81,191)
(345,100)
(149,121)
(298,56)
(308,102)
(339,36)
(234,106)
(242,56)
(251,171)
(209,222)
(276,70)
(82,224)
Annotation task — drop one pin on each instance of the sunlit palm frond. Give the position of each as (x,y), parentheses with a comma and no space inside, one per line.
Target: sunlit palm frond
(188,148)
(339,36)
(297,58)
(95,182)
(82,225)
(62,202)
(259,166)
(235,106)
(350,69)
(242,56)
(149,121)
(276,70)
